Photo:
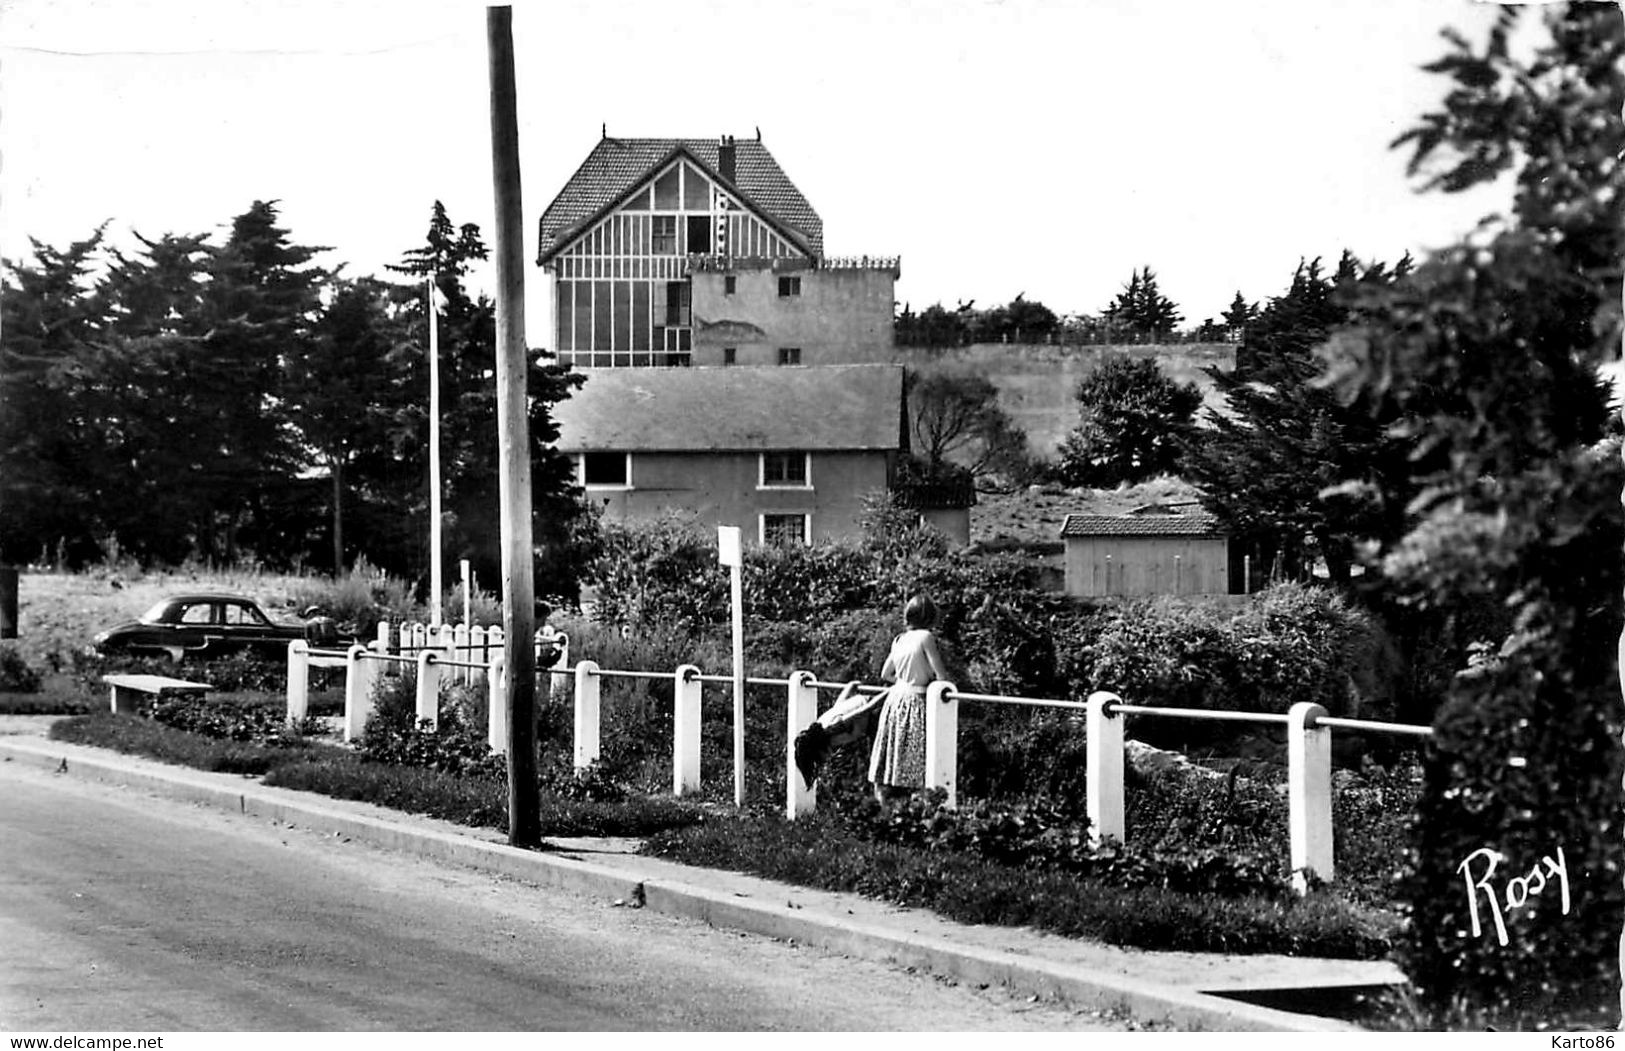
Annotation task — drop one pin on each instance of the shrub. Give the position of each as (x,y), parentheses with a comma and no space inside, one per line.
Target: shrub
(224,719)
(459,745)
(139,736)
(15,674)
(660,573)
(1523,764)
(359,600)
(832,850)
(1291,643)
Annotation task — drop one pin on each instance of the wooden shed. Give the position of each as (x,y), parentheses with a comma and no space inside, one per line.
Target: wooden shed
(1152,551)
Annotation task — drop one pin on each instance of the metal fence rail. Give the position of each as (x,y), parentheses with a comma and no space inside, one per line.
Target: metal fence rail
(1309,730)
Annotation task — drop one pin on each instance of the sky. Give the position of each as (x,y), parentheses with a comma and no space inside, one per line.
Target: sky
(1044,148)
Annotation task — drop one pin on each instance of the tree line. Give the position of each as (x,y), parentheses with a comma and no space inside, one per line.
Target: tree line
(243,401)
(1139,314)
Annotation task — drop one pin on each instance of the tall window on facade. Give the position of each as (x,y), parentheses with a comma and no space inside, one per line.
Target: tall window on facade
(606,469)
(730,355)
(678,303)
(663,235)
(784,469)
(784,529)
(699,234)
(730,285)
(789,355)
(789,286)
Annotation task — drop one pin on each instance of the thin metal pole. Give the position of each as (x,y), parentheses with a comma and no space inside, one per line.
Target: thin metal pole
(436,583)
(513,427)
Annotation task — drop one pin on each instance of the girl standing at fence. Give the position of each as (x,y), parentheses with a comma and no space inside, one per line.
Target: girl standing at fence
(897,763)
(897,760)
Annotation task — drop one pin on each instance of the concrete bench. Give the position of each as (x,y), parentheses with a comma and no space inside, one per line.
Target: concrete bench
(127,690)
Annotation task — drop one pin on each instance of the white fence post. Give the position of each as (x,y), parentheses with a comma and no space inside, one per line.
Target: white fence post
(358,677)
(428,708)
(685,758)
(298,681)
(1309,794)
(801,708)
(496,704)
(942,739)
(589,700)
(460,639)
(1103,775)
(383,637)
(478,653)
(381,647)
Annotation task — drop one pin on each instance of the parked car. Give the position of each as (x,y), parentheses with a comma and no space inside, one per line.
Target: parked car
(207,626)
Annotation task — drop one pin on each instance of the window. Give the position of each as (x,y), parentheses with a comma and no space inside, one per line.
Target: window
(699,234)
(664,235)
(607,470)
(789,355)
(198,613)
(786,470)
(730,355)
(730,285)
(236,614)
(784,529)
(678,303)
(789,286)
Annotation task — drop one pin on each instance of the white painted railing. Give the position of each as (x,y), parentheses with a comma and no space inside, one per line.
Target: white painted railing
(362,667)
(1309,766)
(474,644)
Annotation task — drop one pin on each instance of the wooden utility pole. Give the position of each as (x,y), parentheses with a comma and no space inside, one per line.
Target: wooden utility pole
(513,426)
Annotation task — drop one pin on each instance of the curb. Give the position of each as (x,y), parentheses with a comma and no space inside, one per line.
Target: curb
(1189,1010)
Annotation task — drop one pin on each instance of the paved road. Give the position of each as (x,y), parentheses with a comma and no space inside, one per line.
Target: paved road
(123,911)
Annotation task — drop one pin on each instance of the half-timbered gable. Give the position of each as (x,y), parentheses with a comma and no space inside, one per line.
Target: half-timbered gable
(621,237)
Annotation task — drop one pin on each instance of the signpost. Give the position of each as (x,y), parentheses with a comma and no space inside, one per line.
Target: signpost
(730,553)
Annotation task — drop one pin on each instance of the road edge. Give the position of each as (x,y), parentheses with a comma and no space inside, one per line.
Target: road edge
(1190,1010)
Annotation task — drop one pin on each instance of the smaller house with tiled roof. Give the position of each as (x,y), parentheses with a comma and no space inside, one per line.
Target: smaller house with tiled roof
(786,454)
(670,252)
(1159,550)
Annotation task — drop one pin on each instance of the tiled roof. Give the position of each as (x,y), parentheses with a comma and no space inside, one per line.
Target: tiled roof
(734,407)
(616,166)
(1142,525)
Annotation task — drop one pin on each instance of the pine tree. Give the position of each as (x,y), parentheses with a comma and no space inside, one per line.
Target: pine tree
(1240,314)
(47,494)
(260,304)
(469,454)
(1292,470)
(1141,313)
(343,394)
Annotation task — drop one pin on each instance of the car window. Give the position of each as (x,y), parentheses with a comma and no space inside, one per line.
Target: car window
(198,613)
(239,614)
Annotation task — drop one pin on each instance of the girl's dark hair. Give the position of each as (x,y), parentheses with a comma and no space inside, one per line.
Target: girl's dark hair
(920,612)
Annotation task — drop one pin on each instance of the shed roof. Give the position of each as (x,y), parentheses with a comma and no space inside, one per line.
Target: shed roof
(735,407)
(615,167)
(1197,525)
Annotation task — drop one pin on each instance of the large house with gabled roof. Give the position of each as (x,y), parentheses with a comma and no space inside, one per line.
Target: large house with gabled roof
(786,454)
(671,252)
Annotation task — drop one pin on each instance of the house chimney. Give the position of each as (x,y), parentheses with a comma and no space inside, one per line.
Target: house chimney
(725,159)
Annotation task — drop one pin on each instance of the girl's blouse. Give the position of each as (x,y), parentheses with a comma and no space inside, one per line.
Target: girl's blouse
(909,660)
